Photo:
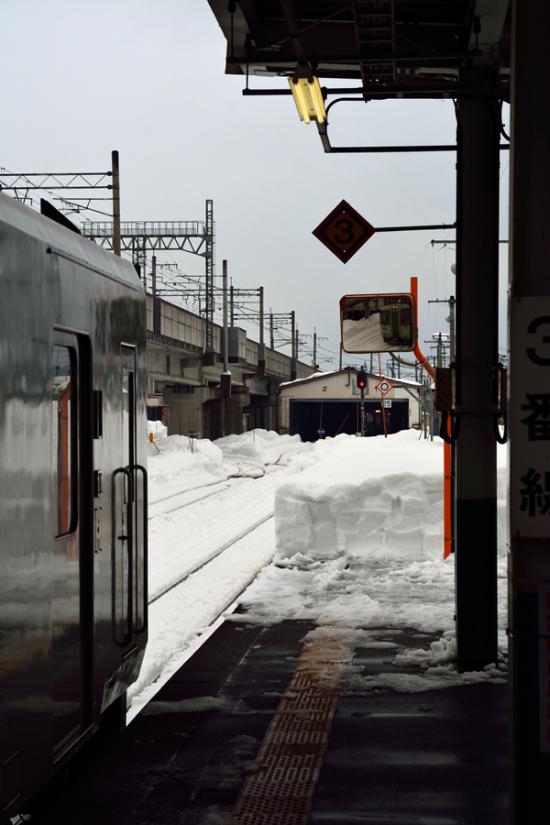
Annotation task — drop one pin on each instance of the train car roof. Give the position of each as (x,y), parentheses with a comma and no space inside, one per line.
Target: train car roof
(67,244)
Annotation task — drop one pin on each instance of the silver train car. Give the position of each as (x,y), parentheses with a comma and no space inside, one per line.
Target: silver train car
(73,494)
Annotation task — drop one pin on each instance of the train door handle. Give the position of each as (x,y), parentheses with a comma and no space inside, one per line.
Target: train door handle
(139,468)
(127,636)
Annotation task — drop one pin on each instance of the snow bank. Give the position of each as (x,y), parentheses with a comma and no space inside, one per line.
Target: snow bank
(259,446)
(177,462)
(158,429)
(372,497)
(359,545)
(359,540)
(377,498)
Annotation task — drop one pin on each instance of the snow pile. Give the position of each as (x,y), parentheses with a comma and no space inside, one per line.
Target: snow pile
(158,429)
(202,506)
(179,463)
(359,549)
(372,497)
(259,446)
(360,545)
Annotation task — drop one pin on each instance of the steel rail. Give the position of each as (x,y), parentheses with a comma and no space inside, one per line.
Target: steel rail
(201,564)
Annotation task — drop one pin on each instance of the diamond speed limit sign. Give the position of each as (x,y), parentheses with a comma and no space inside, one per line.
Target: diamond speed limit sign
(384,386)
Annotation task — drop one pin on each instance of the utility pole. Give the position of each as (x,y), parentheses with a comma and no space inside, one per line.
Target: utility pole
(209,276)
(452,332)
(293,333)
(116,201)
(231,306)
(261,294)
(156,300)
(451,303)
(297,344)
(271,336)
(314,362)
(225,330)
(240,300)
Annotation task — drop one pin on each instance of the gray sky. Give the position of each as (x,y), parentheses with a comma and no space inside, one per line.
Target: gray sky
(147,77)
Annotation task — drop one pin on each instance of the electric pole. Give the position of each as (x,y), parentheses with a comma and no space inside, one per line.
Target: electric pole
(314,363)
(451,303)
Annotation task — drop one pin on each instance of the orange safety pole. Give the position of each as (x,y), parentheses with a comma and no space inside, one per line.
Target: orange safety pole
(447,458)
(447,496)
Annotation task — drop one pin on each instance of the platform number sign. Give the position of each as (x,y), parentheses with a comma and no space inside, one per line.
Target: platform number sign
(344,231)
(530,418)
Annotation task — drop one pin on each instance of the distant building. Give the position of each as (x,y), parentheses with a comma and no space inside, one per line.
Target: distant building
(187,391)
(330,402)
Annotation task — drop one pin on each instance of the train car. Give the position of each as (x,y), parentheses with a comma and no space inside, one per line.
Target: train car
(73,494)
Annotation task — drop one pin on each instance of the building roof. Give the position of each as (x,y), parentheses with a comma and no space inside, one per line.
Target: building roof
(322,376)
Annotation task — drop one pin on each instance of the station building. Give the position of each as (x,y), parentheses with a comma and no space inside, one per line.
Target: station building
(330,402)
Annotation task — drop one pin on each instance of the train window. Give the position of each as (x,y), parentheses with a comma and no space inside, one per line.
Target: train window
(64,437)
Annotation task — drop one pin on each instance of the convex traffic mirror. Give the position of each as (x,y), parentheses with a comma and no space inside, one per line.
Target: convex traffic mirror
(377,323)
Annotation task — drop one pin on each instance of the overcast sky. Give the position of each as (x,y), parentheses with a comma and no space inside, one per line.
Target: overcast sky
(147,77)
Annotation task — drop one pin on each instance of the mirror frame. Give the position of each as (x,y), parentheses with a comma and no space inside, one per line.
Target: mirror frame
(363,296)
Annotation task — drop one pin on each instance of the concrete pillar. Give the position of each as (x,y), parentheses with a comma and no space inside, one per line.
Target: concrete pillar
(185,411)
(529,446)
(477,353)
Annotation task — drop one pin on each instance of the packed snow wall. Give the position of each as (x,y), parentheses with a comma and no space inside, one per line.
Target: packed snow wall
(372,497)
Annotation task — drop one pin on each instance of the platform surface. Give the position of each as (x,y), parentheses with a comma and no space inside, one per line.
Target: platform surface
(436,757)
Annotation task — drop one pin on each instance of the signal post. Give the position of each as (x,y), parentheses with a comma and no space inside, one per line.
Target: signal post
(362,384)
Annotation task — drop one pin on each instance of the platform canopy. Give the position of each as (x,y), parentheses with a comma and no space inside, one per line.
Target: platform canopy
(396,48)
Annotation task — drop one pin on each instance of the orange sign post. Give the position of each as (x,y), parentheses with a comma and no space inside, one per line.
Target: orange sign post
(447,472)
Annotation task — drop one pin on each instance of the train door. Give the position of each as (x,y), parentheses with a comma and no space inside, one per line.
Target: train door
(129,514)
(71,516)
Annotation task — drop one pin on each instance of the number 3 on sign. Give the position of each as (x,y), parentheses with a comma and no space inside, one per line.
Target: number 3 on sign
(345,233)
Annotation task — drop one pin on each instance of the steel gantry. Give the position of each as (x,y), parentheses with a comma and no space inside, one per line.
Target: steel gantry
(141,237)
(21,183)
(239,310)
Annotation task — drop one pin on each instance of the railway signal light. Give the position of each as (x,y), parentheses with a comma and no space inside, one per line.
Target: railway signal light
(362,380)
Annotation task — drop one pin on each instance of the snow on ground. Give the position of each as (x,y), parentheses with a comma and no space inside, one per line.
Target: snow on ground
(184,618)
(260,447)
(359,545)
(178,463)
(357,540)
(205,497)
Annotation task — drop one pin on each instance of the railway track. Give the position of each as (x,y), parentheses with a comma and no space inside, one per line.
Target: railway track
(185,537)
(184,614)
(199,565)
(185,498)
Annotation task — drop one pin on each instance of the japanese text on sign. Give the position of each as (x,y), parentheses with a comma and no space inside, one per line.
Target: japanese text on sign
(530,417)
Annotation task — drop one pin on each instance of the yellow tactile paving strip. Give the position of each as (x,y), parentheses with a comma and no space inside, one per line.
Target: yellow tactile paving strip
(280,789)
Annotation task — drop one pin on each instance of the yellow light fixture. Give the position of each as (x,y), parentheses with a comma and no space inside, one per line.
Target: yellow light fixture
(308,98)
